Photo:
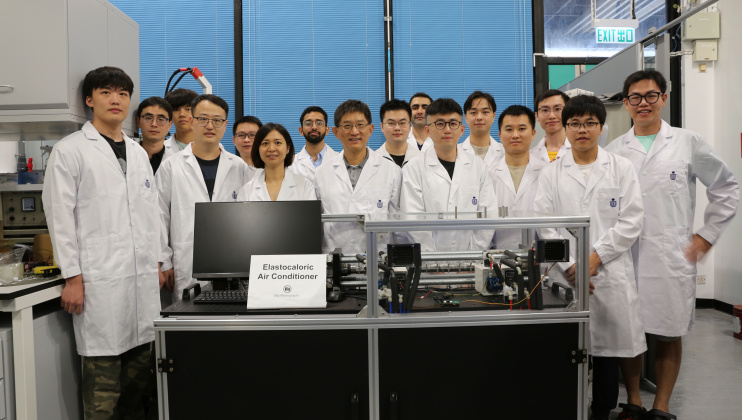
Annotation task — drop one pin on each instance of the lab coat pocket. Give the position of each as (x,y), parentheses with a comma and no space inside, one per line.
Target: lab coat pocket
(469,200)
(102,258)
(675,240)
(673,176)
(377,201)
(608,203)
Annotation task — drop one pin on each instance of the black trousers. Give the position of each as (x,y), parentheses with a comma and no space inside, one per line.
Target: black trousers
(605,385)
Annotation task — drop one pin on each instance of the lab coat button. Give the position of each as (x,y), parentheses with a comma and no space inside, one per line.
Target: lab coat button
(644,173)
(644,194)
(453,242)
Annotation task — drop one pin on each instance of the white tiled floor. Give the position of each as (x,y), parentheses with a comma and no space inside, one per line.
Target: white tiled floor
(710,383)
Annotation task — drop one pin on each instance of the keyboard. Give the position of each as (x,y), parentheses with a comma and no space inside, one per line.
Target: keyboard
(222,296)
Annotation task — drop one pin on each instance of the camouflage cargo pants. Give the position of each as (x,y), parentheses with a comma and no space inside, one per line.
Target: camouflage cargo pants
(118,387)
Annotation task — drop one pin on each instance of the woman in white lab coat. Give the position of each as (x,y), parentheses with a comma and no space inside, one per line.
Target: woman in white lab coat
(181,184)
(612,198)
(274,151)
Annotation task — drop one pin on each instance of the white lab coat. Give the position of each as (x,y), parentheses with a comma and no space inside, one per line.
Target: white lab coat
(377,191)
(494,153)
(612,198)
(172,144)
(181,185)
(105,226)
(427,188)
(253,172)
(293,188)
(667,174)
(412,141)
(523,200)
(411,152)
(304,166)
(539,152)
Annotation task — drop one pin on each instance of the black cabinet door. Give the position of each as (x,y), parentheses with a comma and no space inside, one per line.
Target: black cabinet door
(268,374)
(493,372)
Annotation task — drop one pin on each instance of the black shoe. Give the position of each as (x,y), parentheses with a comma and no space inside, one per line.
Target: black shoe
(655,414)
(631,412)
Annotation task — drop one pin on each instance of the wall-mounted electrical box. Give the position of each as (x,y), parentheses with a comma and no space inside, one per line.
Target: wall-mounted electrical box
(705,50)
(703,25)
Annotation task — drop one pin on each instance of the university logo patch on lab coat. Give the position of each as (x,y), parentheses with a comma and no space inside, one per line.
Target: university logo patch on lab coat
(146,183)
(474,200)
(613,202)
(234,195)
(379,204)
(673,175)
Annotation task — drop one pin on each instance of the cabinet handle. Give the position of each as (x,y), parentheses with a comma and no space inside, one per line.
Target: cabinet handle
(10,88)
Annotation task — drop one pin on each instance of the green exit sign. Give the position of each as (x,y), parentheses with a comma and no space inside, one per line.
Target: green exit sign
(615,35)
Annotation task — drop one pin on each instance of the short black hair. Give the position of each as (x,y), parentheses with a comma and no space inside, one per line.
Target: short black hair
(640,75)
(394,105)
(213,99)
(246,119)
(111,77)
(421,95)
(584,105)
(350,106)
(261,135)
(180,97)
(155,101)
(313,108)
(517,111)
(548,94)
(478,94)
(442,106)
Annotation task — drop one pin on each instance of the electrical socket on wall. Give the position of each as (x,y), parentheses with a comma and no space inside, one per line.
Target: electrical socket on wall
(701,279)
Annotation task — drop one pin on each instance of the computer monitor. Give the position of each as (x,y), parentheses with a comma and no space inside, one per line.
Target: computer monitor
(227,235)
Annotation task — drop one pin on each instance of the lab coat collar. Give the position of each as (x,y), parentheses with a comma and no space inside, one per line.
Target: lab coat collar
(660,141)
(494,152)
(599,169)
(221,172)
(530,175)
(91,133)
(461,169)
(260,189)
(371,165)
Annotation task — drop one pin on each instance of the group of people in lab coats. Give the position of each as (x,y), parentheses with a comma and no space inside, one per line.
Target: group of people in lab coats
(121,215)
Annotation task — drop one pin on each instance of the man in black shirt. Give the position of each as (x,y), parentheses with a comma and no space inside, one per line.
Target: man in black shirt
(395,125)
(154,118)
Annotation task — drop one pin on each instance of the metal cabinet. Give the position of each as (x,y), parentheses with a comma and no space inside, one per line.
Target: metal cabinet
(48,48)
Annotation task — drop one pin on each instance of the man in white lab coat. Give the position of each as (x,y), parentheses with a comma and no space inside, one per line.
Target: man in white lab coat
(554,145)
(395,125)
(180,100)
(479,110)
(203,172)
(515,177)
(668,161)
(243,137)
(154,118)
(313,127)
(356,181)
(444,179)
(591,181)
(101,205)
(418,137)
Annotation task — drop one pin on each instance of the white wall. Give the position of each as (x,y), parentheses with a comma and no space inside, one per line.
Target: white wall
(728,130)
(712,103)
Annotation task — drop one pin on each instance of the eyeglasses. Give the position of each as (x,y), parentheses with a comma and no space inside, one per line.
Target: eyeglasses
(148,118)
(348,127)
(651,98)
(402,124)
(203,121)
(310,123)
(441,125)
(242,136)
(557,110)
(589,126)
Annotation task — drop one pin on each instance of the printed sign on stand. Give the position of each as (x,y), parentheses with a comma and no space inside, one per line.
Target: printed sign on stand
(287,281)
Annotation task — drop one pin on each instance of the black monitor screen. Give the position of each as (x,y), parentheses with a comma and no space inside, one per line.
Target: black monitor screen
(226,235)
